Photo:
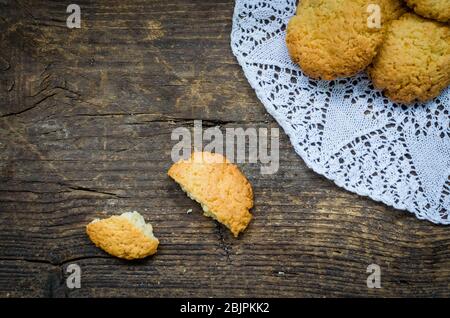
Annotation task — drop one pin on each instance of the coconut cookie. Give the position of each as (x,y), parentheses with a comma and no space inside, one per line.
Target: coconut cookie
(221,189)
(433,9)
(414,61)
(333,38)
(126,236)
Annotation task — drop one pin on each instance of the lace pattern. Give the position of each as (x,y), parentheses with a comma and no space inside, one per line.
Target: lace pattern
(345,129)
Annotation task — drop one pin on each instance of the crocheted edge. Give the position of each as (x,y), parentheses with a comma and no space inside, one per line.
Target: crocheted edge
(289,132)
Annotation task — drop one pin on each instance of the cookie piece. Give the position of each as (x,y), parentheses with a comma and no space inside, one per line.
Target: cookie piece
(125,236)
(434,9)
(219,186)
(414,61)
(333,38)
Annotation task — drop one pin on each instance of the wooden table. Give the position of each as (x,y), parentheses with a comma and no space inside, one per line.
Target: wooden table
(86,122)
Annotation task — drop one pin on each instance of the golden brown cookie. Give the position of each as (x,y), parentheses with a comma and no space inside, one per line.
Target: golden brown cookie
(414,61)
(125,236)
(221,189)
(333,38)
(434,9)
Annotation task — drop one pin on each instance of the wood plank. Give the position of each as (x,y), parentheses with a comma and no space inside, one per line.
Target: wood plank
(86,119)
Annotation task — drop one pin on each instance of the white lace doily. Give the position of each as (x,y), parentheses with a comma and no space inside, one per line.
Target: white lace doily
(345,129)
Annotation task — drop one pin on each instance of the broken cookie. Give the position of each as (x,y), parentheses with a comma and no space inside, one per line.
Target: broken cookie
(219,186)
(125,236)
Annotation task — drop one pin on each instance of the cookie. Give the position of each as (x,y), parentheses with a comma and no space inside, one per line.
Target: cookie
(414,61)
(126,236)
(330,39)
(219,186)
(434,9)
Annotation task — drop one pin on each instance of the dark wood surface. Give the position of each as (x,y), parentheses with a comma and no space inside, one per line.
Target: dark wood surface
(86,118)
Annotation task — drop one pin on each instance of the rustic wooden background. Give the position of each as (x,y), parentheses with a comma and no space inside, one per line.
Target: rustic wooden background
(86,118)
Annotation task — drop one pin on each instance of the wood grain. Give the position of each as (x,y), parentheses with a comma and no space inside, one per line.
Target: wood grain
(86,118)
